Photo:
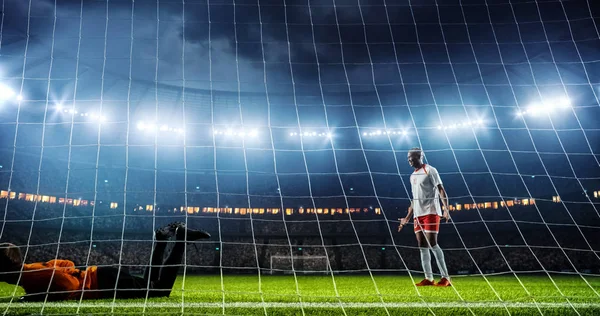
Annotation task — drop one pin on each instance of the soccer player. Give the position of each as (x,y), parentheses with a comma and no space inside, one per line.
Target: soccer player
(427,189)
(57,280)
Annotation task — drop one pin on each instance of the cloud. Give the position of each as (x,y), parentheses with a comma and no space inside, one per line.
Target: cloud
(304,38)
(244,37)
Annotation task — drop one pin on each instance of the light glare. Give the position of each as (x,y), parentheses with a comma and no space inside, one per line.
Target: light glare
(6,92)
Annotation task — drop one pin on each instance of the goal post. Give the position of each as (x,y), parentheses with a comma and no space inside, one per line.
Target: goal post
(299,264)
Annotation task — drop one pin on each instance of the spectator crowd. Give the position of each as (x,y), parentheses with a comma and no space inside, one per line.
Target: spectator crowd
(348,243)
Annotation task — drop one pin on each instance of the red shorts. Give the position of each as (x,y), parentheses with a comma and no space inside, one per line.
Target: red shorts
(427,223)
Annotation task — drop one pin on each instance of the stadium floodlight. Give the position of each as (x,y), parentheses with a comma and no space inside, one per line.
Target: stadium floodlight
(312,134)
(6,92)
(564,103)
(59,107)
(152,127)
(227,132)
(467,124)
(546,108)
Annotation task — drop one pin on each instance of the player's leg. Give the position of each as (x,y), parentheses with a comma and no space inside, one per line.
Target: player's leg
(168,273)
(113,282)
(118,283)
(431,235)
(425,255)
(161,237)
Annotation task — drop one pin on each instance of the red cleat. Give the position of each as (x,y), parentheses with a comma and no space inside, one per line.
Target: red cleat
(426,282)
(444,282)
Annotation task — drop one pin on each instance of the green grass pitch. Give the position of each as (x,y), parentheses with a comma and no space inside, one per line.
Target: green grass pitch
(351,295)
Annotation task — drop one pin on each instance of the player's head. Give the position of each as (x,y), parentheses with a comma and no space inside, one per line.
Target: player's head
(415,157)
(10,261)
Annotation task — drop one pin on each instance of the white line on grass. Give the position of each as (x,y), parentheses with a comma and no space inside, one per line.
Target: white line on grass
(308,305)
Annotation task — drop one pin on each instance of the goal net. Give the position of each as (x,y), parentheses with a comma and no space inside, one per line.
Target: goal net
(282,128)
(300,264)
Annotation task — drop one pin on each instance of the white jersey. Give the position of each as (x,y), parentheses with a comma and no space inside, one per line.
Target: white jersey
(426,196)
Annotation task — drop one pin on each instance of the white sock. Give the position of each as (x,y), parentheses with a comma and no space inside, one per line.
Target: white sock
(426,262)
(439,258)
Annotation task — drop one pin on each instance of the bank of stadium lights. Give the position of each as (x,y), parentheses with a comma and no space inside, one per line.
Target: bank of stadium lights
(8,94)
(235,133)
(311,134)
(154,128)
(468,124)
(546,107)
(90,115)
(386,132)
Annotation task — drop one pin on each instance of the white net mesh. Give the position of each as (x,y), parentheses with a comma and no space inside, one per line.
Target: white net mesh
(281,127)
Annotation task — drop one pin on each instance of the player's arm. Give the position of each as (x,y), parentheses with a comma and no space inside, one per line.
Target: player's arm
(444,198)
(61,263)
(66,266)
(405,220)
